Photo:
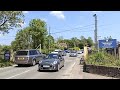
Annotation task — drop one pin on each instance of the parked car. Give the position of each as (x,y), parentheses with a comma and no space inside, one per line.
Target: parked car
(73,54)
(30,57)
(51,62)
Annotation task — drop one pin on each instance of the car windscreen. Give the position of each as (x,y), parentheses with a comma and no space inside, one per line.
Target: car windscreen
(22,53)
(52,56)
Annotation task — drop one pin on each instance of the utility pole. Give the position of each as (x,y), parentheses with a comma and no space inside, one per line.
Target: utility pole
(49,40)
(95,32)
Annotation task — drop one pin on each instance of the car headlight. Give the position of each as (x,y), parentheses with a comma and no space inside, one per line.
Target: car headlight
(55,62)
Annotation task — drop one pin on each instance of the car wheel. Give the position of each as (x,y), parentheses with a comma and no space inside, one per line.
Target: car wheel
(58,67)
(19,65)
(39,70)
(33,63)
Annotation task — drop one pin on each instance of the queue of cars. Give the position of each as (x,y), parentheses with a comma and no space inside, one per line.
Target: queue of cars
(53,61)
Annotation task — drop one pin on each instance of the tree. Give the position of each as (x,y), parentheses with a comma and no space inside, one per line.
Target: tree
(90,41)
(9,20)
(22,40)
(60,39)
(32,36)
(83,40)
(38,31)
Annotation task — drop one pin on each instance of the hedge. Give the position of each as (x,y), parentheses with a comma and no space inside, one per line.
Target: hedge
(102,58)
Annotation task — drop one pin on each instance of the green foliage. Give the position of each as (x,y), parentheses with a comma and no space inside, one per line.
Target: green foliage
(3,48)
(10,19)
(4,63)
(31,37)
(75,42)
(102,58)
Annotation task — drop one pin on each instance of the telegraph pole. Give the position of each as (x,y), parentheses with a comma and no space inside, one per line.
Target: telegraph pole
(95,32)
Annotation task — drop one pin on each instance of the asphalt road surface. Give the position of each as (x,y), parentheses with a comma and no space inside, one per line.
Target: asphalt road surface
(30,72)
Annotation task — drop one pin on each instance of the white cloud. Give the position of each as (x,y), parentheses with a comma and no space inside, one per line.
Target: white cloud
(25,11)
(58,14)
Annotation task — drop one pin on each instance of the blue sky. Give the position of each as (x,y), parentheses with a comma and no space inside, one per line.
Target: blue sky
(78,22)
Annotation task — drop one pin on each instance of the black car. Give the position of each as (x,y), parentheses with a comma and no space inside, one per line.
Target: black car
(51,62)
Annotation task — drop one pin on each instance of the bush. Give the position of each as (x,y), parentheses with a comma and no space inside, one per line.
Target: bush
(4,63)
(102,58)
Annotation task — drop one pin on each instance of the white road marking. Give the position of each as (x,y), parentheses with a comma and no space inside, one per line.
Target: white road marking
(18,74)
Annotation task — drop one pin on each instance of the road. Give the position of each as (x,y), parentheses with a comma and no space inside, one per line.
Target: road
(31,72)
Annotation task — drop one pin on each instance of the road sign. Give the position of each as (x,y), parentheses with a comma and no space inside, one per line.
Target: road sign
(110,43)
(7,55)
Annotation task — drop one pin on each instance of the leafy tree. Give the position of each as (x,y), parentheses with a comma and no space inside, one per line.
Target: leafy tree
(38,31)
(9,20)
(90,41)
(32,36)
(22,40)
(60,39)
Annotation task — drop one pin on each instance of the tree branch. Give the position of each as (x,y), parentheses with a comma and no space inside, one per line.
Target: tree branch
(5,20)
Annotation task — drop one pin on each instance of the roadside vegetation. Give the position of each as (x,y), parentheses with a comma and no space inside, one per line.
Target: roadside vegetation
(4,63)
(104,59)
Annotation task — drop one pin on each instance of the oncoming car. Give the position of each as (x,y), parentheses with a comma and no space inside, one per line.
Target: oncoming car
(73,54)
(51,62)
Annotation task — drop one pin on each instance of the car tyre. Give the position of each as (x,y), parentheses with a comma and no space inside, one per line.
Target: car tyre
(39,70)
(19,65)
(58,67)
(33,62)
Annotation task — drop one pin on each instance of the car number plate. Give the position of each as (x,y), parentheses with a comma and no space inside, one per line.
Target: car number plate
(46,66)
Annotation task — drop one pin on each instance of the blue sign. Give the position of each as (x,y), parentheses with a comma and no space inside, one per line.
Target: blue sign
(110,43)
(7,55)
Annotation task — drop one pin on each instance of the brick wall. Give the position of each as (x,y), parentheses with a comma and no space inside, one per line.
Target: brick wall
(102,70)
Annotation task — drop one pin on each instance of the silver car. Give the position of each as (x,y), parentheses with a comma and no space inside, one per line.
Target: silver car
(73,54)
(30,57)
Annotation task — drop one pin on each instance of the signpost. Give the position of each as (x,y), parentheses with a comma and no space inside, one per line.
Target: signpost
(110,43)
(7,55)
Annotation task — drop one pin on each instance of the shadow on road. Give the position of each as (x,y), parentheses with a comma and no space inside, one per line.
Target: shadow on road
(47,71)
(23,66)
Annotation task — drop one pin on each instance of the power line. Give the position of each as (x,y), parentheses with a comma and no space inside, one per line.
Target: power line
(69,30)
(75,27)
(72,28)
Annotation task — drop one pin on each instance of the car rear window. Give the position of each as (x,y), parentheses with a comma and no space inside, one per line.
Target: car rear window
(22,53)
